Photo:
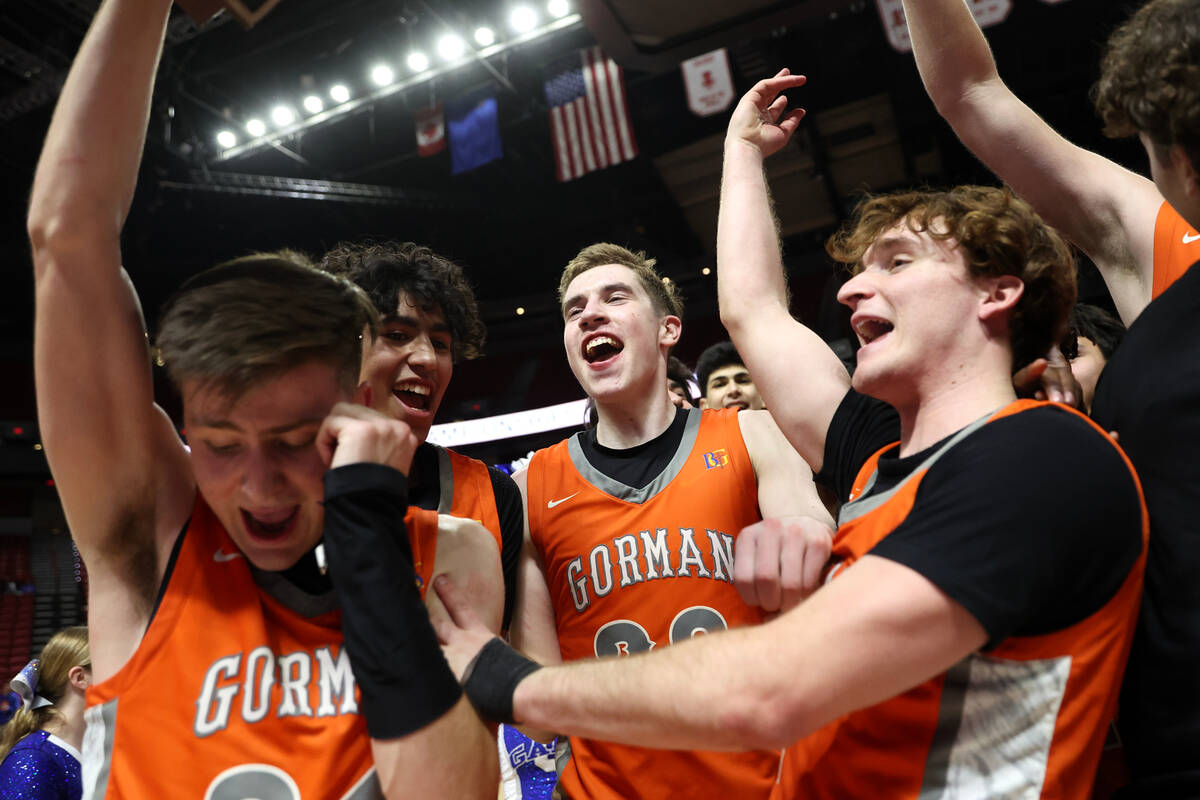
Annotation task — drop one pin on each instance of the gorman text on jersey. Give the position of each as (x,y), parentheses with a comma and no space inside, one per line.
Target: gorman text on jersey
(637,557)
(256,674)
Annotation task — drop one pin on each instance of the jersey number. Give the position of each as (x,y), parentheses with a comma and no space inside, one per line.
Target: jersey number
(267,782)
(623,637)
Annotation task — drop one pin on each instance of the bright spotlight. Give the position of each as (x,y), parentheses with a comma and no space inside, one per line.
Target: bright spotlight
(382,75)
(339,93)
(451,47)
(313,104)
(485,37)
(558,8)
(520,311)
(283,116)
(523,19)
(417,61)
(255,127)
(226,139)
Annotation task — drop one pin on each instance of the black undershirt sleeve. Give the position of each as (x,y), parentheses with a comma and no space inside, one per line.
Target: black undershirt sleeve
(405,681)
(860,426)
(512,532)
(1031,523)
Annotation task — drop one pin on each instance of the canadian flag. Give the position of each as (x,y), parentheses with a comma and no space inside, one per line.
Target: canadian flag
(431,131)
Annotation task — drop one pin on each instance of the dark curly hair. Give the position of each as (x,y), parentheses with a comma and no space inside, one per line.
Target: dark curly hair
(1150,76)
(1092,322)
(384,269)
(999,233)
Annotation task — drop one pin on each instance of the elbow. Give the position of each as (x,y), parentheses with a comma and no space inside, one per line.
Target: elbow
(959,105)
(735,314)
(759,718)
(58,237)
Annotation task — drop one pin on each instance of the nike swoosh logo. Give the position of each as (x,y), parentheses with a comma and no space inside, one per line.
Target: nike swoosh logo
(553,503)
(220,556)
(1189,239)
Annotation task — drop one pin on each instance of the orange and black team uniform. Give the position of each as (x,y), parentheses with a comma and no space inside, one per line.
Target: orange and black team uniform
(241,686)
(1176,247)
(1032,520)
(451,483)
(1149,393)
(638,548)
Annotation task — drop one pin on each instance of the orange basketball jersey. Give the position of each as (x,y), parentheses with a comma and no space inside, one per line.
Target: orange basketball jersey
(466,491)
(232,694)
(633,569)
(1176,247)
(1026,719)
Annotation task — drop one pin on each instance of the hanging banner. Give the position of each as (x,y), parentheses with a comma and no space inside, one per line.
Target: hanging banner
(708,82)
(987,13)
(431,130)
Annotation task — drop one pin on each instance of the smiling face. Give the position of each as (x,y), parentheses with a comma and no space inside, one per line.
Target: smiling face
(730,386)
(409,364)
(616,342)
(913,303)
(256,461)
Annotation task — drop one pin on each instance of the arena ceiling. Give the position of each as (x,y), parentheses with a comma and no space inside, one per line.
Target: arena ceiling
(511,223)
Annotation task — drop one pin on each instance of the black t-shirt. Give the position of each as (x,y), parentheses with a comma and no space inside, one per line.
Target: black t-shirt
(425,491)
(638,465)
(1032,522)
(1149,394)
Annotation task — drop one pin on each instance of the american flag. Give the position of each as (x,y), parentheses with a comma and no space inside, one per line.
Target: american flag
(589,118)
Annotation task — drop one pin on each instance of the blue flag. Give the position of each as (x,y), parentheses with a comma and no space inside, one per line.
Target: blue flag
(473,123)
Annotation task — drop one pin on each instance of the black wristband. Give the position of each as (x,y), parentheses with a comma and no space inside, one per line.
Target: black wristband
(405,680)
(492,677)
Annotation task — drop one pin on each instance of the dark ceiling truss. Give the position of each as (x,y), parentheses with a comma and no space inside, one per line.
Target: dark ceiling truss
(46,79)
(308,189)
(478,56)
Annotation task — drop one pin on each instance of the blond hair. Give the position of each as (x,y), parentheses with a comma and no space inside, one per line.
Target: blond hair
(66,649)
(664,294)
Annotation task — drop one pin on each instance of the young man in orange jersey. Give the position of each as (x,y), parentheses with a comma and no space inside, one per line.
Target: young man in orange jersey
(971,633)
(218,651)
(632,524)
(429,321)
(1145,248)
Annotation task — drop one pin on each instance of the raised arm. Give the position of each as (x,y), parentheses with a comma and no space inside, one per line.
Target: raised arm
(119,468)
(1106,210)
(798,376)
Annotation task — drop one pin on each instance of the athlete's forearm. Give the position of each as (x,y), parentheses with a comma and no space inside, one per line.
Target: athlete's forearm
(453,757)
(749,266)
(88,168)
(701,694)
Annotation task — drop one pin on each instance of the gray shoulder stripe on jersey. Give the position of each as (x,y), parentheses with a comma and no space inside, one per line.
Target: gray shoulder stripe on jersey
(368,788)
(596,478)
(857,508)
(102,724)
(445,480)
